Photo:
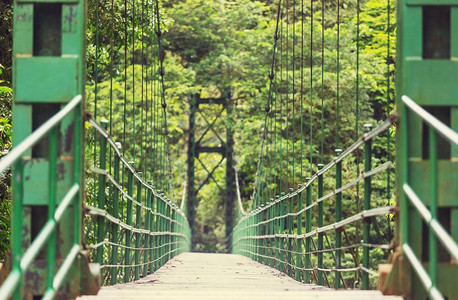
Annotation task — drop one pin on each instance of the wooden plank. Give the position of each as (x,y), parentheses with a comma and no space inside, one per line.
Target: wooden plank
(223,276)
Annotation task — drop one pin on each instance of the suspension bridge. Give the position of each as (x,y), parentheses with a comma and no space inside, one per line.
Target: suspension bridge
(94,214)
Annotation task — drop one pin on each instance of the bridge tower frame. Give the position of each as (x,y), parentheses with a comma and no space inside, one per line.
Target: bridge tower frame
(49,68)
(225,150)
(427,68)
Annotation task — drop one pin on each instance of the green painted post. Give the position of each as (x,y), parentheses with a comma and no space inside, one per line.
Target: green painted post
(159,229)
(265,217)
(162,240)
(308,228)
(404,207)
(130,190)
(433,204)
(272,231)
(169,229)
(148,216)
(78,177)
(101,193)
(320,224)
(155,228)
(114,228)
(52,198)
(299,241)
(173,228)
(17,223)
(290,203)
(427,47)
(78,156)
(250,232)
(165,229)
(257,242)
(278,230)
(253,231)
(261,230)
(253,242)
(338,208)
(38,94)
(367,204)
(282,230)
(138,224)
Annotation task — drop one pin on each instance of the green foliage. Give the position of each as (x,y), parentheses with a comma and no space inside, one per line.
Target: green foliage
(227,45)
(6,131)
(6,48)
(216,46)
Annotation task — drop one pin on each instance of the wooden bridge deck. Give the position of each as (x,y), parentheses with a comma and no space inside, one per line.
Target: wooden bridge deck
(223,276)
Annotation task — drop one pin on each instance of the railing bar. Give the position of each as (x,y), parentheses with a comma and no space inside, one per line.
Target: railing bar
(48,228)
(68,198)
(105,172)
(10,284)
(348,151)
(142,264)
(384,247)
(362,215)
(417,266)
(366,213)
(373,172)
(354,269)
(100,212)
(128,166)
(62,272)
(440,127)
(37,135)
(443,236)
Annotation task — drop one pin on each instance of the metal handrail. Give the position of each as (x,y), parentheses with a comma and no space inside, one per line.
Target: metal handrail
(440,127)
(273,222)
(157,220)
(13,280)
(436,231)
(38,134)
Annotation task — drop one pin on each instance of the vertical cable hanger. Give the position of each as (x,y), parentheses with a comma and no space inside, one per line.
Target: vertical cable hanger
(281,99)
(293,87)
(287,96)
(388,99)
(388,106)
(302,93)
(96,67)
(124,118)
(277,37)
(322,80)
(111,77)
(147,66)
(151,92)
(311,88)
(271,152)
(358,202)
(142,128)
(168,162)
(111,68)
(154,72)
(133,80)
(357,71)
(338,78)
(96,82)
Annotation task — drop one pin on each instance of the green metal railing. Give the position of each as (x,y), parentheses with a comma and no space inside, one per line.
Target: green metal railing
(136,227)
(410,199)
(21,260)
(292,234)
(159,228)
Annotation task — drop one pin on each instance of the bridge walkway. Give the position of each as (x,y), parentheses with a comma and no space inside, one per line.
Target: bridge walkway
(223,276)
